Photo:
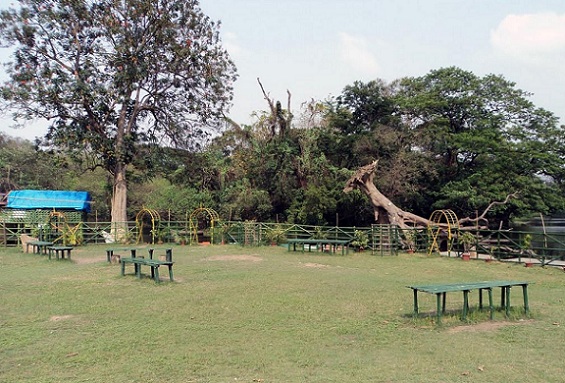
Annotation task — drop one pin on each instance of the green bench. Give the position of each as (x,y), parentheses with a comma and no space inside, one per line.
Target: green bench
(60,250)
(332,244)
(154,264)
(441,291)
(38,247)
(132,251)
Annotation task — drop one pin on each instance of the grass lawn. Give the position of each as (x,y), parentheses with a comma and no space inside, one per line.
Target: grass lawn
(238,314)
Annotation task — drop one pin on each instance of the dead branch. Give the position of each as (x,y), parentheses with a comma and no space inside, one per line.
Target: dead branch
(482,217)
(388,213)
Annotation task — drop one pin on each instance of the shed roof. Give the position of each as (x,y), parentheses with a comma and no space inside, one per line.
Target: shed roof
(49,199)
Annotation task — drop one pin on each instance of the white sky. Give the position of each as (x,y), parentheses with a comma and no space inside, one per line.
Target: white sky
(314,48)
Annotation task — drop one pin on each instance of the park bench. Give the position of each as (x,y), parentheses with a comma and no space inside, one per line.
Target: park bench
(319,243)
(59,250)
(440,290)
(38,247)
(154,264)
(111,252)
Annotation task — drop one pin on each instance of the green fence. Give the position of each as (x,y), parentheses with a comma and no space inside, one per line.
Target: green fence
(547,247)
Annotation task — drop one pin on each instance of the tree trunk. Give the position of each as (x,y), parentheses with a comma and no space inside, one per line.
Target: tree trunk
(119,205)
(385,211)
(388,213)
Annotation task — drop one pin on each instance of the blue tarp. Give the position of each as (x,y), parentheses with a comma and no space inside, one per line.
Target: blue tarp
(49,199)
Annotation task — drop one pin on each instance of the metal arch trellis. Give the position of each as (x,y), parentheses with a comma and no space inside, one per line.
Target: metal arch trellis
(155,218)
(211,214)
(442,221)
(56,222)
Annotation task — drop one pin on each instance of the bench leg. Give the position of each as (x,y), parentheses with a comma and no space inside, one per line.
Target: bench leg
(526,305)
(156,273)
(443,299)
(465,303)
(109,254)
(438,308)
(171,272)
(123,268)
(508,301)
(490,304)
(137,269)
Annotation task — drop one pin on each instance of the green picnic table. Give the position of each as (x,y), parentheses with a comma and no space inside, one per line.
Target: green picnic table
(38,247)
(441,290)
(332,244)
(131,250)
(60,250)
(154,264)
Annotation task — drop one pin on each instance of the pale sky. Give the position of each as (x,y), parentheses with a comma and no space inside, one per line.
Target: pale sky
(314,48)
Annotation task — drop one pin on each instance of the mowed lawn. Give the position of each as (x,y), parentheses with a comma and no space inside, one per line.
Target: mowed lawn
(263,314)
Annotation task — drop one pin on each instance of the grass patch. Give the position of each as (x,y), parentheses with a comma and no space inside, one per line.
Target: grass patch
(239,314)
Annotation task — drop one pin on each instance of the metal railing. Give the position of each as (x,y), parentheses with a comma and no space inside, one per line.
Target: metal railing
(546,247)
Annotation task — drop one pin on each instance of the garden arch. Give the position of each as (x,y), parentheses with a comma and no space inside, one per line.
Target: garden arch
(202,219)
(442,222)
(147,216)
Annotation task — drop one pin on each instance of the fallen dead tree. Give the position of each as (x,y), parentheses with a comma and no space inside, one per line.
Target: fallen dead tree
(386,212)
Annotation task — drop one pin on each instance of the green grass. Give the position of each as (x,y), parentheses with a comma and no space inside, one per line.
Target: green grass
(264,314)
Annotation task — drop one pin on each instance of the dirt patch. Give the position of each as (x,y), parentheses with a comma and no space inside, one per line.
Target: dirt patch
(57,318)
(315,265)
(486,326)
(248,258)
(84,261)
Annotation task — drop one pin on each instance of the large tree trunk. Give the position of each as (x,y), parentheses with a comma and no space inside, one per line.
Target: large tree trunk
(385,211)
(388,213)
(119,205)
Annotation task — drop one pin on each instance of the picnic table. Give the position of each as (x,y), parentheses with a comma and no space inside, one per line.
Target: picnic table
(131,250)
(320,243)
(154,264)
(38,247)
(60,250)
(440,290)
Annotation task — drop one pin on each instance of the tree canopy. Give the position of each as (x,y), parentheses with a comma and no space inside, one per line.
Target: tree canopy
(113,76)
(114,86)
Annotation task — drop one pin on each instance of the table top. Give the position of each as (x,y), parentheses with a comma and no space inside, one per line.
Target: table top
(465,286)
(40,243)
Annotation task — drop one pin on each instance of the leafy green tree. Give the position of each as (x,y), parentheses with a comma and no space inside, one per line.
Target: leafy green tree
(112,75)
(23,167)
(364,124)
(489,141)
(170,201)
(242,201)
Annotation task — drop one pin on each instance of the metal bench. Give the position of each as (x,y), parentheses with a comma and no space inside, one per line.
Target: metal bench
(38,247)
(60,250)
(333,244)
(440,290)
(154,264)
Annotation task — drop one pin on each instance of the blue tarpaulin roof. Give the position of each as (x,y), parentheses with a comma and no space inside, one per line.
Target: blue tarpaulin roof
(49,199)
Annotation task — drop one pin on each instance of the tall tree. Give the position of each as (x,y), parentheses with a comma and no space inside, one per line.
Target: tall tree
(110,75)
(488,138)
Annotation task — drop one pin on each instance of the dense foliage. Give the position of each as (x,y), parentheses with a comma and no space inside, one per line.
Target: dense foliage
(446,140)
